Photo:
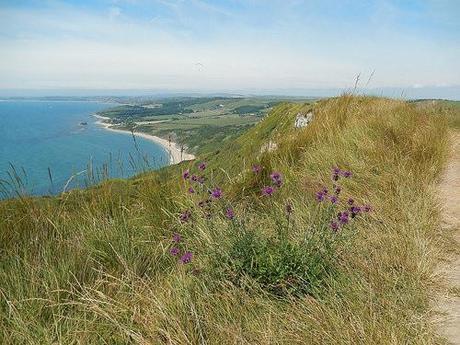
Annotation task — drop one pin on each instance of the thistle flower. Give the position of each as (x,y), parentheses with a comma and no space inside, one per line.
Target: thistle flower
(343,217)
(186,258)
(174,251)
(350,201)
(194,178)
(319,196)
(337,190)
(185,216)
(229,213)
(186,174)
(276,178)
(202,166)
(176,238)
(335,173)
(256,168)
(367,208)
(191,190)
(334,226)
(355,210)
(268,191)
(333,199)
(216,193)
(346,173)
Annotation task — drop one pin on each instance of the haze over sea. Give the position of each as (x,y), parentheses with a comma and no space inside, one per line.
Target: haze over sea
(43,138)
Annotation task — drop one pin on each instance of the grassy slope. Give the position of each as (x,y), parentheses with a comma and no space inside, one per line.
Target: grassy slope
(93,266)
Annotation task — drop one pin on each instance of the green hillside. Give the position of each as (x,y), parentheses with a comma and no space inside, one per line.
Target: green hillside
(326,234)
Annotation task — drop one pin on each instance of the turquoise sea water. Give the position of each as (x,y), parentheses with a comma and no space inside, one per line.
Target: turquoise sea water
(43,138)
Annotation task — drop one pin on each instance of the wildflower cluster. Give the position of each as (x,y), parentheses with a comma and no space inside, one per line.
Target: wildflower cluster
(336,173)
(284,265)
(208,201)
(208,197)
(276,180)
(277,262)
(349,209)
(186,256)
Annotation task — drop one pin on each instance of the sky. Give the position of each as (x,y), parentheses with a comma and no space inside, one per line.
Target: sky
(257,46)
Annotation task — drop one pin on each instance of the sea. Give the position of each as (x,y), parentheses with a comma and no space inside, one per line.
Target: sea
(47,147)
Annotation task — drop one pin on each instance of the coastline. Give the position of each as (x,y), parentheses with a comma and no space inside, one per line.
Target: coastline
(172,148)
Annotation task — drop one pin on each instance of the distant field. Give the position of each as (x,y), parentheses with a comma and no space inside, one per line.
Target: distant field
(202,124)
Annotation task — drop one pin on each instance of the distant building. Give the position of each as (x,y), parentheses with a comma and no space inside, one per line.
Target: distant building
(302,120)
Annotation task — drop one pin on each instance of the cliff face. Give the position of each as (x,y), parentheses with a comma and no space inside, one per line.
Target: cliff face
(329,238)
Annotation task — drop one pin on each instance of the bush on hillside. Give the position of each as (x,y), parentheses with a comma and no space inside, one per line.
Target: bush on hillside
(278,263)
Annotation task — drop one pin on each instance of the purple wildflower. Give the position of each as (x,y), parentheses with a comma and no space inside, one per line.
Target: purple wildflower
(202,166)
(185,216)
(350,201)
(367,208)
(343,217)
(335,173)
(194,178)
(216,193)
(256,168)
(346,173)
(334,226)
(174,251)
(176,238)
(229,213)
(333,199)
(354,211)
(186,174)
(201,179)
(337,190)
(191,190)
(186,258)
(319,196)
(268,191)
(325,191)
(276,178)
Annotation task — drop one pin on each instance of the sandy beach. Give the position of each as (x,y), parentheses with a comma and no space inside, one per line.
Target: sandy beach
(173,149)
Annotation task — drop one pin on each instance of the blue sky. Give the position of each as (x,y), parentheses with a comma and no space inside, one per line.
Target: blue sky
(203,45)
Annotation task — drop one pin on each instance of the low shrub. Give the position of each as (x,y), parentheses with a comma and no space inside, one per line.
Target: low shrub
(278,263)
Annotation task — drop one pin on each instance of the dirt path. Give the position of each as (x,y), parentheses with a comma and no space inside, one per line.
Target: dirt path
(450,193)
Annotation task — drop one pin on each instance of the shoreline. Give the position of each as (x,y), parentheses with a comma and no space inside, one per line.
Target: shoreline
(172,148)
